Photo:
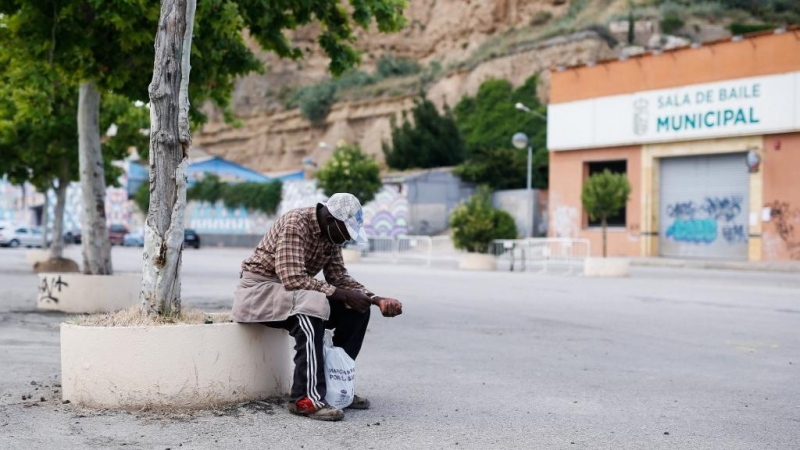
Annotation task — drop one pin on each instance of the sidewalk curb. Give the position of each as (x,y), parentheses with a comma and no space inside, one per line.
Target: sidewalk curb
(718,265)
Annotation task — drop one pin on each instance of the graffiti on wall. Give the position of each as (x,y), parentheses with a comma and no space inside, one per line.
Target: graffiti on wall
(784,218)
(387,214)
(300,194)
(708,221)
(49,287)
(215,218)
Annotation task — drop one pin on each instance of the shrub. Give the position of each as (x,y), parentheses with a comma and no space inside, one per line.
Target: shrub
(316,101)
(737,28)
(427,140)
(475,224)
(253,196)
(671,24)
(351,171)
(389,66)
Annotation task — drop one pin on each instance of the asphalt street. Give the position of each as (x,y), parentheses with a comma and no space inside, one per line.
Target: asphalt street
(665,359)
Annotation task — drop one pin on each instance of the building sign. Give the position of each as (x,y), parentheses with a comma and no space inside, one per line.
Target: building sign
(744,106)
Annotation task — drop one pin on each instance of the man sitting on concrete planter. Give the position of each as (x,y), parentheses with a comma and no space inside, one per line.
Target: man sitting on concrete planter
(277,288)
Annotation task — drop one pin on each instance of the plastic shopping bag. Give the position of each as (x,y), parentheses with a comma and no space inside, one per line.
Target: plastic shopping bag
(340,373)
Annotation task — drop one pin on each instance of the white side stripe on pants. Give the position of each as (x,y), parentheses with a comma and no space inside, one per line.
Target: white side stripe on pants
(311,361)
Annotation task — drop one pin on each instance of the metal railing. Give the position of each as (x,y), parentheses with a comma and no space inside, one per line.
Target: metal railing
(413,249)
(542,255)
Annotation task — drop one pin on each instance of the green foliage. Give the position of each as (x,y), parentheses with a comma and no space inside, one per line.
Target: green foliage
(388,66)
(747,15)
(605,194)
(427,140)
(38,121)
(487,123)
(350,170)
(502,168)
(738,28)
(315,102)
(142,197)
(475,224)
(253,196)
(671,23)
(111,43)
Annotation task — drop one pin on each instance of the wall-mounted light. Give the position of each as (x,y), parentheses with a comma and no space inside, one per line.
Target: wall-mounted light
(753,161)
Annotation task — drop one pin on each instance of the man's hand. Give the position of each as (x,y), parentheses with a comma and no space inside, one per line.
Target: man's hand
(389,306)
(356,300)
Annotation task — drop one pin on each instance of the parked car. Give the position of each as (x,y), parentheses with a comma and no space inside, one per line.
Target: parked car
(72,237)
(134,239)
(20,236)
(190,238)
(116,234)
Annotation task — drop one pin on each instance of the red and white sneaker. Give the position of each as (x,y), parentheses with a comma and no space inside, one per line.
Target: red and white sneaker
(305,407)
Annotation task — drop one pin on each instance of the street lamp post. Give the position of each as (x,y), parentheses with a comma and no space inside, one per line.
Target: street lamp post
(520,141)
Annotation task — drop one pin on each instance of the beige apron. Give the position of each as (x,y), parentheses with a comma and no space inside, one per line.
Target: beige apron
(262,299)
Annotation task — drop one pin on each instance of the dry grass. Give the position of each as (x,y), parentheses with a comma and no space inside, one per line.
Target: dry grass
(133,317)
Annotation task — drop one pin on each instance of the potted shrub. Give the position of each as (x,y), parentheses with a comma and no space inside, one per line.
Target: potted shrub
(604,195)
(475,224)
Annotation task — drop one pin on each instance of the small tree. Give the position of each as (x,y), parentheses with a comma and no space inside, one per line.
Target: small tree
(604,195)
(351,171)
(476,223)
(38,129)
(170,107)
(428,140)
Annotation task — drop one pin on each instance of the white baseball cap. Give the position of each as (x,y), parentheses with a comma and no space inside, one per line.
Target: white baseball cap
(347,208)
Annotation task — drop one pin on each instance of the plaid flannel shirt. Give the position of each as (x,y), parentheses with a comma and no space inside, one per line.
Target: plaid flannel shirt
(295,250)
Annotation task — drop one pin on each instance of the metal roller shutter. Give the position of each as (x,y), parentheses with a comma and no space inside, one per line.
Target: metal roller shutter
(704,207)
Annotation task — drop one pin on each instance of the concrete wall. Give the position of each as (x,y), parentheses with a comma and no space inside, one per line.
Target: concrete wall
(781,230)
(431,198)
(568,171)
(525,207)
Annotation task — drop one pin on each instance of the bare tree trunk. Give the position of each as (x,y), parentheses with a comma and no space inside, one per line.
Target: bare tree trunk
(57,247)
(96,246)
(169,146)
(605,226)
(45,213)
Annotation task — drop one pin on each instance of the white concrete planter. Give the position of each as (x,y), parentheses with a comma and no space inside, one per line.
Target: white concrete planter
(477,261)
(173,365)
(78,293)
(34,256)
(351,255)
(606,267)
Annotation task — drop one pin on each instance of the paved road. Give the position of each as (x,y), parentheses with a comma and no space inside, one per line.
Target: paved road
(666,359)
